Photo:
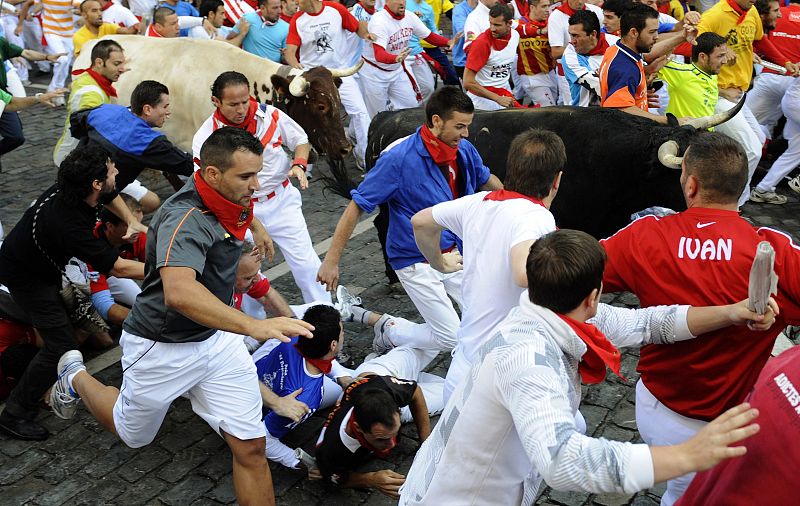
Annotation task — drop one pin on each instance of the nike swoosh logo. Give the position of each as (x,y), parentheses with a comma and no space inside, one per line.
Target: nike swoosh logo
(704,225)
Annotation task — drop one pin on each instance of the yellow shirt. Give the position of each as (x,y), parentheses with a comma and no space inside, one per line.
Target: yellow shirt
(83,35)
(439,8)
(721,19)
(676,10)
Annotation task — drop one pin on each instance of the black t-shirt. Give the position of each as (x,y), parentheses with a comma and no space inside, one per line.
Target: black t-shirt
(64,230)
(337,453)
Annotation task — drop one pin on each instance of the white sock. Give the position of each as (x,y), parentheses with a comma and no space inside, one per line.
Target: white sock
(71,377)
(360,314)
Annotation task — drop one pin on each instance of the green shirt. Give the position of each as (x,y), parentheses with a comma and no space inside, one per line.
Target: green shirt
(7,51)
(692,92)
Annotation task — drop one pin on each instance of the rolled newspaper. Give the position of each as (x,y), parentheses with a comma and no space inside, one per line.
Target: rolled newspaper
(773,67)
(763,280)
(309,461)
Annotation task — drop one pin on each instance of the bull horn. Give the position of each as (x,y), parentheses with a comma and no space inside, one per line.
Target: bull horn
(348,71)
(706,122)
(668,155)
(299,86)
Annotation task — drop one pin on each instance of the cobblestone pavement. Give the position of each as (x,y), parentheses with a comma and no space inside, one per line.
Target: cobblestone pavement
(188,463)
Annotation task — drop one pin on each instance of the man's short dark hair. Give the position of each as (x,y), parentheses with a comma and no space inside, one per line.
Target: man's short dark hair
(160,15)
(220,146)
(636,17)
(147,93)
(229,78)
(501,9)
(103,50)
(445,101)
(762,6)
(588,20)
(82,167)
(563,268)
(720,165)
(209,7)
(707,42)
(327,324)
(618,7)
(372,406)
(534,159)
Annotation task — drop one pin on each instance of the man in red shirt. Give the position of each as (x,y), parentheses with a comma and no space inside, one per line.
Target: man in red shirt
(701,256)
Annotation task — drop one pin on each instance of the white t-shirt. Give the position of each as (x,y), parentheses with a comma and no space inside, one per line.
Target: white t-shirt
(321,37)
(558,26)
(499,63)
(393,35)
(489,291)
(119,15)
(476,23)
(276,165)
(142,7)
(199,32)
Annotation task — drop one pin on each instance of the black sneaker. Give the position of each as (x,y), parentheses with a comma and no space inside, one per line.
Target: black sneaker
(20,428)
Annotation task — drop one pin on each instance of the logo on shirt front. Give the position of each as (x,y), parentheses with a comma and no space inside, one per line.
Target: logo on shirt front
(323,41)
(500,71)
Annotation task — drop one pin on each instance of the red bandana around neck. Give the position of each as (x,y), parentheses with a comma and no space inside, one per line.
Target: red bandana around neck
(600,48)
(102,81)
(392,14)
(501,43)
(286,18)
(235,218)
(443,156)
(351,425)
(370,10)
(600,352)
(249,122)
(151,32)
(500,195)
(566,9)
(320,363)
(738,10)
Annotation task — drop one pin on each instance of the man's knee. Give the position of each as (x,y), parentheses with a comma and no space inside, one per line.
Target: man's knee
(247,451)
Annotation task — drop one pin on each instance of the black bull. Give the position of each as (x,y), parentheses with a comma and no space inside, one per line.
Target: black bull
(612,169)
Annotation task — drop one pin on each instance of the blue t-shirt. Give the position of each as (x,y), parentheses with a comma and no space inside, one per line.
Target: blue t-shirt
(460,13)
(262,39)
(283,371)
(424,12)
(182,9)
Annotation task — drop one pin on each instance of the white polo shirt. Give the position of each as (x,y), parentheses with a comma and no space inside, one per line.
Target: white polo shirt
(476,23)
(489,229)
(393,35)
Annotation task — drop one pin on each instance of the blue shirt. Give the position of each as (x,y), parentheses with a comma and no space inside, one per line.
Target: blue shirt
(460,13)
(262,39)
(361,14)
(406,178)
(182,9)
(424,12)
(283,371)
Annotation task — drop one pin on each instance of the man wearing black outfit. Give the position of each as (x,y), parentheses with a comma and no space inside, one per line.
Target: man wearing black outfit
(31,263)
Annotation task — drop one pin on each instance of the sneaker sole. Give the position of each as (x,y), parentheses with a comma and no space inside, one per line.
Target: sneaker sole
(762,200)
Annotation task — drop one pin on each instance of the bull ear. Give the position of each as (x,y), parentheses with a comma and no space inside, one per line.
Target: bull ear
(280,85)
(337,81)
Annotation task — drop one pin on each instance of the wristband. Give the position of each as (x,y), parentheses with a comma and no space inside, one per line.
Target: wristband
(299,165)
(300,162)
(38,97)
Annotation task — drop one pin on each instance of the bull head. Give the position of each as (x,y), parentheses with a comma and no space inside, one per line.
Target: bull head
(298,87)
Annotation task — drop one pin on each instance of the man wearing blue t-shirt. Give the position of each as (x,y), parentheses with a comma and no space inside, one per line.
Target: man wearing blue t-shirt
(460,13)
(267,34)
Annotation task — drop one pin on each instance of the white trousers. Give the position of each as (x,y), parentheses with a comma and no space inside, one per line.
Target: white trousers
(764,100)
(405,362)
(9,25)
(384,90)
(216,375)
(564,94)
(57,44)
(429,289)
(660,426)
(282,216)
(422,74)
(484,104)
(541,88)
(790,106)
(32,35)
(353,102)
(745,129)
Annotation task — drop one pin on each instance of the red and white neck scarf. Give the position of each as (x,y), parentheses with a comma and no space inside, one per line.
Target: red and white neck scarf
(234,218)
(102,81)
(600,352)
(249,123)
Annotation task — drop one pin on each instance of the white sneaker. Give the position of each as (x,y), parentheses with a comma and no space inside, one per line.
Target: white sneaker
(794,184)
(63,399)
(763,197)
(381,343)
(345,301)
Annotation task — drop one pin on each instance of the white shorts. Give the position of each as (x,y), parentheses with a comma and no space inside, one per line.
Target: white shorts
(216,375)
(136,190)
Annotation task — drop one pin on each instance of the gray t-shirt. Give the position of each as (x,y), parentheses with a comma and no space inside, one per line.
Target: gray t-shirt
(183,233)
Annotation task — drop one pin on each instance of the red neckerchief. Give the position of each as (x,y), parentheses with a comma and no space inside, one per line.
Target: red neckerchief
(523,7)
(151,32)
(286,18)
(351,424)
(392,14)
(102,81)
(500,195)
(566,9)
(538,24)
(107,5)
(320,363)
(235,218)
(501,43)
(443,155)
(370,11)
(249,122)
(738,10)
(600,48)
(600,352)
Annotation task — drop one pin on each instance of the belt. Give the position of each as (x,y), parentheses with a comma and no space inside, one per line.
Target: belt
(272,194)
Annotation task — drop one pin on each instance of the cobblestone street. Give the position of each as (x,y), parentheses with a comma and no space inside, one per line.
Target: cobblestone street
(188,464)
